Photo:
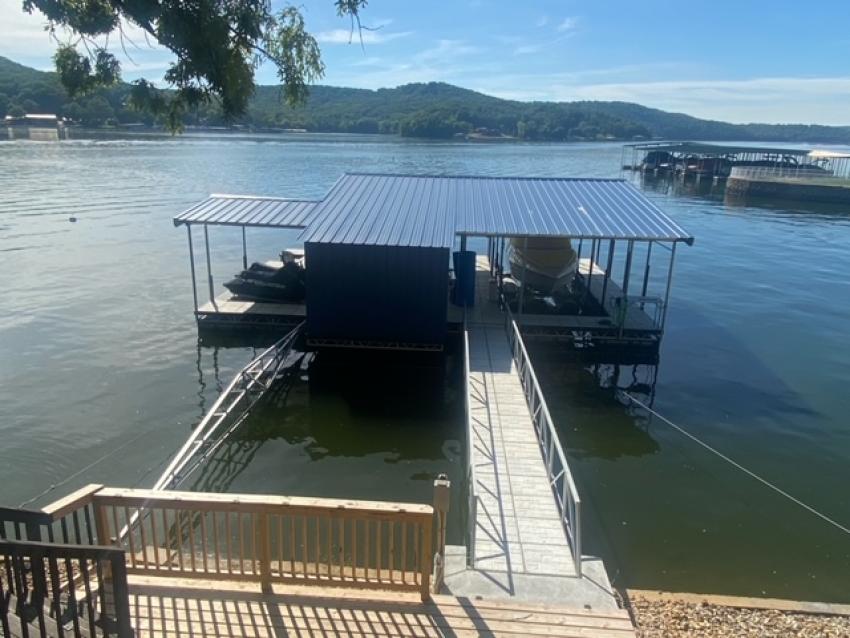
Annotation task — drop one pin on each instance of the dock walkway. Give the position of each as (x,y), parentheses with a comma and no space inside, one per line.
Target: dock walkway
(521,549)
(518,529)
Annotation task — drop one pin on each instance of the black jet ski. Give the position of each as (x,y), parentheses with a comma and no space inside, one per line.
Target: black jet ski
(261,282)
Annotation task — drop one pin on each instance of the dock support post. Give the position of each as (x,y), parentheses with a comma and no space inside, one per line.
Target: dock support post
(624,310)
(522,283)
(192,264)
(646,270)
(244,251)
(628,272)
(209,265)
(607,271)
(669,284)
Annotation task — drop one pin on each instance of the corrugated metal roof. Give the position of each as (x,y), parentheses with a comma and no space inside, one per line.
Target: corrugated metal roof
(243,210)
(428,211)
(386,210)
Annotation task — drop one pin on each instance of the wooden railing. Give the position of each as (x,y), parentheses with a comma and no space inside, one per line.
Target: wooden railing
(266,539)
(79,587)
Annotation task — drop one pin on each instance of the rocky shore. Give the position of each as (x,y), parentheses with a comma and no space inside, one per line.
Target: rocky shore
(664,615)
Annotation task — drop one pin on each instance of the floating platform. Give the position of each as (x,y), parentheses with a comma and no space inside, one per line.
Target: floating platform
(227,310)
(637,328)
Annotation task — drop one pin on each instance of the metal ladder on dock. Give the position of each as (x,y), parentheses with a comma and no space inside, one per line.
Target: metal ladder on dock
(231,408)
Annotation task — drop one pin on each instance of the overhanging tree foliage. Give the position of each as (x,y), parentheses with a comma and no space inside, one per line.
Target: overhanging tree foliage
(218,44)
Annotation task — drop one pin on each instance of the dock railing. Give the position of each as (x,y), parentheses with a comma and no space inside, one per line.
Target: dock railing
(58,575)
(472,504)
(560,478)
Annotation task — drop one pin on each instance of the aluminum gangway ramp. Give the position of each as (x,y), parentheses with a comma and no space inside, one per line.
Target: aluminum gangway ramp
(520,541)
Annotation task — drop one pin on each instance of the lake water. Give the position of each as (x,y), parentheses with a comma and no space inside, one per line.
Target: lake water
(98,349)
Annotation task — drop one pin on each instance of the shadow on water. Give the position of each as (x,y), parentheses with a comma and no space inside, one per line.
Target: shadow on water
(350,425)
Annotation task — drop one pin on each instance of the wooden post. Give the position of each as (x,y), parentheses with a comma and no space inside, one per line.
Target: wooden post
(263,545)
(426,560)
(442,497)
(101,522)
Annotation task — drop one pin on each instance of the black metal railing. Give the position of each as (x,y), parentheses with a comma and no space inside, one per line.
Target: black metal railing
(56,589)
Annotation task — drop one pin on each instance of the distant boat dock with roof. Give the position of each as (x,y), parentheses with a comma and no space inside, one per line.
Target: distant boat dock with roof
(762,171)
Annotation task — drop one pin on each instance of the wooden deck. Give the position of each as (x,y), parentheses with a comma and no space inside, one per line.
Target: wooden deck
(169,608)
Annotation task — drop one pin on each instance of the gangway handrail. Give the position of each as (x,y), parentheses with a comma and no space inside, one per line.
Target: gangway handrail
(256,375)
(472,506)
(567,497)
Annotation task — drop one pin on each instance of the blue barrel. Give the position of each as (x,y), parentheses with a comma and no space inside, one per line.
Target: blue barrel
(464,266)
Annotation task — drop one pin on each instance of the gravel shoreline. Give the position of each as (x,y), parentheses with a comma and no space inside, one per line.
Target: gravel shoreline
(670,618)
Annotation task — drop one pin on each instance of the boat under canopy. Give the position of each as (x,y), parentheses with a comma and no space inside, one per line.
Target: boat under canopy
(544,263)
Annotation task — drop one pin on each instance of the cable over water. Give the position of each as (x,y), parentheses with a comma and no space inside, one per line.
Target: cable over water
(734,463)
(97,461)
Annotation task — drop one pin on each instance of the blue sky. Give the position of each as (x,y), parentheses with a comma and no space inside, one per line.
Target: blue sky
(742,61)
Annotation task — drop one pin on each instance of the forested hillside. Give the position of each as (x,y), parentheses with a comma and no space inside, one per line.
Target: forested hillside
(433,110)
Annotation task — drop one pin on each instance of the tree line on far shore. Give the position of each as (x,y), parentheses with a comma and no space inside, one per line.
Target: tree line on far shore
(432,110)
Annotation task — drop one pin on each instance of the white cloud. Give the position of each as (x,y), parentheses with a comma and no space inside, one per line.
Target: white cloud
(567,24)
(454,61)
(448,50)
(347,36)
(23,39)
(778,99)
(536,47)
(770,100)
(526,49)
(542,21)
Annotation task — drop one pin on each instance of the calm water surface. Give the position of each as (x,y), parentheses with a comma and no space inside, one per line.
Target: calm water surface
(98,349)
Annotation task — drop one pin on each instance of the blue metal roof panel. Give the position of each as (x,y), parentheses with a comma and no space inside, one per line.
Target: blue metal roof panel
(241,210)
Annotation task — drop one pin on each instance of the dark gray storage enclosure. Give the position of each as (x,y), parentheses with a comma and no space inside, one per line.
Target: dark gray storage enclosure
(374,295)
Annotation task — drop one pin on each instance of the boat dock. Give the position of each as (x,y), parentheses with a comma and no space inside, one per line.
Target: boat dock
(375,274)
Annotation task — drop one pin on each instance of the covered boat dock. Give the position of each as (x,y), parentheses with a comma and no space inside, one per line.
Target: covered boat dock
(379,251)
(716,160)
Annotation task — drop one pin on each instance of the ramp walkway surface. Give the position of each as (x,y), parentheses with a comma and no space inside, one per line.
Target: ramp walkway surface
(521,549)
